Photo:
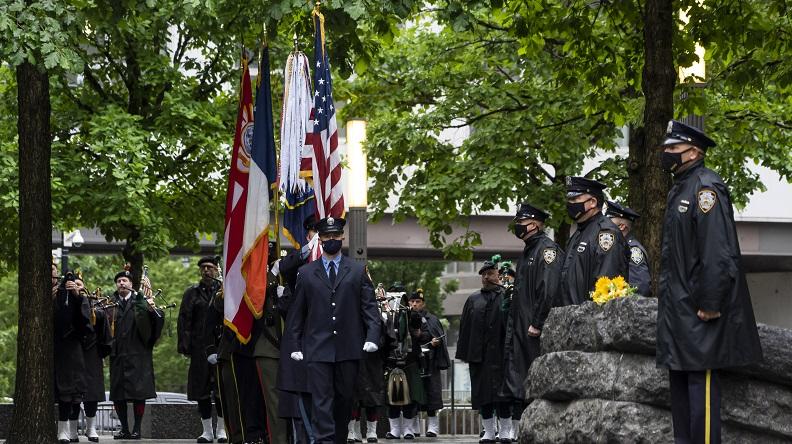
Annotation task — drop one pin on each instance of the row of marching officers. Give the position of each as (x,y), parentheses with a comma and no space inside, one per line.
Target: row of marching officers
(89,328)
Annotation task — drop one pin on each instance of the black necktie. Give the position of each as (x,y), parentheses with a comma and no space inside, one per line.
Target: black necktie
(332,272)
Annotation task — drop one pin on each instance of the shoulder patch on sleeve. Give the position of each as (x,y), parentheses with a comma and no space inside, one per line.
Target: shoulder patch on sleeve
(606,240)
(636,255)
(549,255)
(707,199)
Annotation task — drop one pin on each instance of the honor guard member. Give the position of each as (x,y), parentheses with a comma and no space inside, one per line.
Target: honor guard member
(624,218)
(595,249)
(294,401)
(137,325)
(193,339)
(481,344)
(334,320)
(537,282)
(705,321)
(71,324)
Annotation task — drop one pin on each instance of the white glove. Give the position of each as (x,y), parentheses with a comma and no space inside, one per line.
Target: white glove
(280,290)
(212,358)
(297,356)
(275,269)
(370,347)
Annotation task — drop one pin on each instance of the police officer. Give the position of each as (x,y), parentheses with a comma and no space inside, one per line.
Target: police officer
(705,320)
(193,338)
(595,249)
(481,345)
(537,282)
(332,322)
(624,218)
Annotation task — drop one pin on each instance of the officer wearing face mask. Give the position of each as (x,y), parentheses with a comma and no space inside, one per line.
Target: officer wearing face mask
(332,322)
(595,249)
(705,320)
(624,218)
(536,285)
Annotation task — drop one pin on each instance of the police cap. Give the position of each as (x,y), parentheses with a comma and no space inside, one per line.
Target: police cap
(330,225)
(528,211)
(417,294)
(208,260)
(580,185)
(677,132)
(613,209)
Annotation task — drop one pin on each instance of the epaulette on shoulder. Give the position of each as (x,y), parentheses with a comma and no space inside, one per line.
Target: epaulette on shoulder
(709,178)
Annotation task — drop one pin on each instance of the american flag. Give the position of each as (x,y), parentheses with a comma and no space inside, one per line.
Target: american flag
(322,157)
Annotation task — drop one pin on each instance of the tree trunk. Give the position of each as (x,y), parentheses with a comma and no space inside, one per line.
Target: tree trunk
(33,419)
(648,183)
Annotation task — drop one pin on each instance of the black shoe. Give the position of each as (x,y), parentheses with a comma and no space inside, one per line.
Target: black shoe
(74,439)
(371,440)
(134,435)
(94,439)
(201,439)
(390,435)
(123,434)
(63,441)
(222,439)
(431,435)
(408,436)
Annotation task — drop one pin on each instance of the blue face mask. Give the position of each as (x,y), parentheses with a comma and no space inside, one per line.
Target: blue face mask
(331,246)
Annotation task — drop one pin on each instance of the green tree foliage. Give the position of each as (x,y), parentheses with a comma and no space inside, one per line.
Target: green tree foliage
(542,85)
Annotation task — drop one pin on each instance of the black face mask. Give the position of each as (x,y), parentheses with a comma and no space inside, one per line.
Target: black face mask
(670,162)
(331,246)
(522,233)
(575,210)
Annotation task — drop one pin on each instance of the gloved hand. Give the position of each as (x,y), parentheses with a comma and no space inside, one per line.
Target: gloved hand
(370,347)
(297,356)
(280,290)
(212,358)
(275,269)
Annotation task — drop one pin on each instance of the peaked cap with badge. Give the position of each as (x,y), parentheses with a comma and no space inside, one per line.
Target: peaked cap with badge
(528,211)
(577,186)
(678,132)
(613,209)
(330,225)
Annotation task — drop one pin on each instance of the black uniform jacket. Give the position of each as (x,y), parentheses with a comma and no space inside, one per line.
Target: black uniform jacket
(537,284)
(701,269)
(640,277)
(481,344)
(194,337)
(596,249)
(330,322)
(131,365)
(71,324)
(97,345)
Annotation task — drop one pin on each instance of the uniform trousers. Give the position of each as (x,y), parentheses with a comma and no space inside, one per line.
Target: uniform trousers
(332,388)
(695,406)
(243,403)
(268,378)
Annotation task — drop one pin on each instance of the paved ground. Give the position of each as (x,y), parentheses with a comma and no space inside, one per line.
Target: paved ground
(442,439)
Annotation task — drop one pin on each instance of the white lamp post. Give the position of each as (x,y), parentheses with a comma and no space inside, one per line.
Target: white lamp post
(357,189)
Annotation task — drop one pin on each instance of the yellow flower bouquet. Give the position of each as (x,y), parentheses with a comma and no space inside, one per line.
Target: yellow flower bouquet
(606,289)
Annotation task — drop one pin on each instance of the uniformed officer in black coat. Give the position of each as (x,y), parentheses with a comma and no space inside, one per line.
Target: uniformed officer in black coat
(705,320)
(481,344)
(624,218)
(334,320)
(595,249)
(193,338)
(536,284)
(137,325)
